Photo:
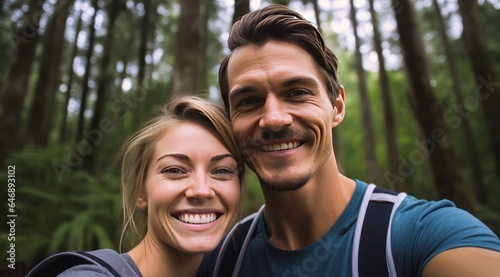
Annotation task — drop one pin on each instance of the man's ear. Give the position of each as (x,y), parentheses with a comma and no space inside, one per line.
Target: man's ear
(142,202)
(339,108)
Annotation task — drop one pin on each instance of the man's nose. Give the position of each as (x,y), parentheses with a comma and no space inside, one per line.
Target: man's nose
(275,115)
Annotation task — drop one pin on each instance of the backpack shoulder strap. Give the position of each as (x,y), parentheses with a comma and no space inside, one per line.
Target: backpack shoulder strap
(372,252)
(233,248)
(60,262)
(113,261)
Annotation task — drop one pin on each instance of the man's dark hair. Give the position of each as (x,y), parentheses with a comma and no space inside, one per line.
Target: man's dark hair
(278,22)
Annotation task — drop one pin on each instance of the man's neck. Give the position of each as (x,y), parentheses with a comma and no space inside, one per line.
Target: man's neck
(296,219)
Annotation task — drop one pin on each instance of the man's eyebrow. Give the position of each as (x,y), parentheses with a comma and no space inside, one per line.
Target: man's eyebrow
(293,81)
(241,90)
(300,80)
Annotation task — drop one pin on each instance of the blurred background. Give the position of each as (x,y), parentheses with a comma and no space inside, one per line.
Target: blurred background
(79,76)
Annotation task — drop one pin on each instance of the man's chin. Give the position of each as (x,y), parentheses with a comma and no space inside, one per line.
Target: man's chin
(283,184)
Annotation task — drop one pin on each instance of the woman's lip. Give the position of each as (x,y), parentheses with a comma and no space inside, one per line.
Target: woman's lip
(197,218)
(200,227)
(197,211)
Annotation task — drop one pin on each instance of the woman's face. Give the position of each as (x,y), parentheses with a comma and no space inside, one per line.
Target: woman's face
(192,189)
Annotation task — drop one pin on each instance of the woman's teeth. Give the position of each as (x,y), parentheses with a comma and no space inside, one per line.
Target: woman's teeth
(197,218)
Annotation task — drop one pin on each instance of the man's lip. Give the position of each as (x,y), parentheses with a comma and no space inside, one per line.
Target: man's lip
(283,145)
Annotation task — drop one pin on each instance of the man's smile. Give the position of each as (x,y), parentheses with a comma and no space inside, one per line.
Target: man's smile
(281,146)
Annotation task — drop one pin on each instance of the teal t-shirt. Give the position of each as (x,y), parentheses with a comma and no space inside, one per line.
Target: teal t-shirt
(421,229)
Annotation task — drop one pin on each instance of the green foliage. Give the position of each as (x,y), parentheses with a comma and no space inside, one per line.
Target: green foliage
(5,54)
(77,213)
(252,194)
(489,217)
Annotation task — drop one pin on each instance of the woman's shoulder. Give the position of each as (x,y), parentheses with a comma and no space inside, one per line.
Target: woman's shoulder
(86,270)
(102,262)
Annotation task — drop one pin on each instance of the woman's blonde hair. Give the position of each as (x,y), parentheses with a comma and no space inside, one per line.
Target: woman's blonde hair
(138,149)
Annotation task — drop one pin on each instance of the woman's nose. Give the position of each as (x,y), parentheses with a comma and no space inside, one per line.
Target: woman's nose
(200,189)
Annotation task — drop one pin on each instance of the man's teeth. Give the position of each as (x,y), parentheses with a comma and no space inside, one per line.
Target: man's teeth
(282,146)
(197,218)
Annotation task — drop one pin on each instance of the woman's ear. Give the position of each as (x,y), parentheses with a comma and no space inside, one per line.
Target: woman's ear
(339,108)
(142,202)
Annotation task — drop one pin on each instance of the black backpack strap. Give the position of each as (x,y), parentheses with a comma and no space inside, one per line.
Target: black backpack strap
(60,262)
(372,252)
(233,248)
(111,260)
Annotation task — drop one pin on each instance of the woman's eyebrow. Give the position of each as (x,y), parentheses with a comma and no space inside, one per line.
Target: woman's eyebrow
(174,155)
(220,157)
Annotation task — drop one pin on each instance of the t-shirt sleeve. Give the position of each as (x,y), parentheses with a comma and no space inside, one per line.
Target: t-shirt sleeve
(86,270)
(422,229)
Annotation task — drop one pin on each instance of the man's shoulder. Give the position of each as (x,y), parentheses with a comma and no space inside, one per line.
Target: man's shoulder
(421,229)
(413,208)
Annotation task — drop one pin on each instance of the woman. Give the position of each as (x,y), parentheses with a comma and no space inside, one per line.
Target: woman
(181,183)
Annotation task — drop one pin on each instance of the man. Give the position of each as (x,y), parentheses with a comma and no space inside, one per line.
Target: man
(280,87)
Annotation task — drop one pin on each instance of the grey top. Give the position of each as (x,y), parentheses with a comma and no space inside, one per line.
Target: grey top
(89,270)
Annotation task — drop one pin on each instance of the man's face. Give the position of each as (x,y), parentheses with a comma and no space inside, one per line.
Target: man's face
(281,113)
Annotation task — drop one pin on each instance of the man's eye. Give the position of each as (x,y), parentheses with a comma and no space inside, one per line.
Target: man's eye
(248,101)
(296,92)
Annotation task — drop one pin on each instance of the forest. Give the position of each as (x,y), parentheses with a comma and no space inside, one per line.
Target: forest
(79,76)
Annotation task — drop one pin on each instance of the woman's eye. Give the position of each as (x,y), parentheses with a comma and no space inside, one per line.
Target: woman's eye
(223,171)
(172,170)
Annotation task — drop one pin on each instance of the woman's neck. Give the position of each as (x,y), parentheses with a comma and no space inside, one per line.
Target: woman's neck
(157,259)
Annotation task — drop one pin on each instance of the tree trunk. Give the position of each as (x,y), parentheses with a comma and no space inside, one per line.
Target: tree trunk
(15,87)
(281,2)
(207,10)
(103,82)
(67,96)
(186,70)
(86,75)
(118,115)
(3,42)
(469,142)
(387,111)
(240,9)
(140,92)
(373,169)
(41,115)
(317,14)
(429,114)
(2,2)
(486,82)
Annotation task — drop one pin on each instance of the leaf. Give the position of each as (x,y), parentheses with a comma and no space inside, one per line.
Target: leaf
(59,237)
